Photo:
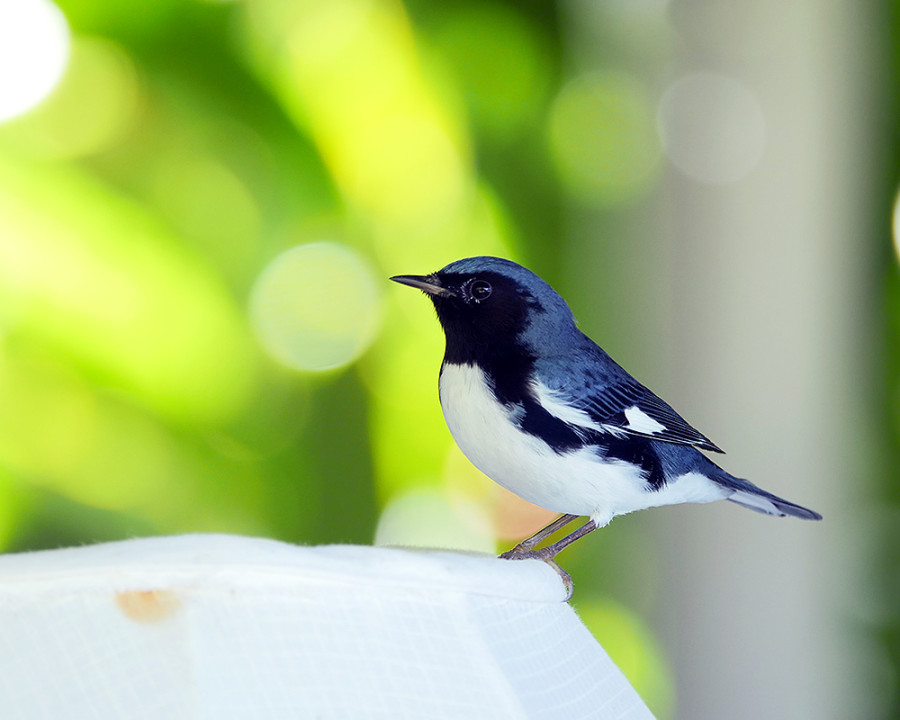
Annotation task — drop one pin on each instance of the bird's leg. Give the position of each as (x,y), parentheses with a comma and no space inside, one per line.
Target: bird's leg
(548,553)
(525,547)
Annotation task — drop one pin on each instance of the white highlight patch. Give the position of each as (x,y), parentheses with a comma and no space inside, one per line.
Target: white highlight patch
(34,50)
(640,422)
(577,482)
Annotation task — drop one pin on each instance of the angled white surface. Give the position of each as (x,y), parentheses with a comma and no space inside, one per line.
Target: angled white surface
(217,626)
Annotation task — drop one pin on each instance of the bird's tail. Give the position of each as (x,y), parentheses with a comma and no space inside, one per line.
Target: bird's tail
(749,496)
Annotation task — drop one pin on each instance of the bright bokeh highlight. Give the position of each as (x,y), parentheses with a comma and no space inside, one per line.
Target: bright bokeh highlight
(210,206)
(602,138)
(316,307)
(94,106)
(895,225)
(712,128)
(431,518)
(34,46)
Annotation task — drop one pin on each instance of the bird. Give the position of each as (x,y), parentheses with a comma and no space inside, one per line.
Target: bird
(544,411)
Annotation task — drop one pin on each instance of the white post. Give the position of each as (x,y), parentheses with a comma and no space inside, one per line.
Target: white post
(768,338)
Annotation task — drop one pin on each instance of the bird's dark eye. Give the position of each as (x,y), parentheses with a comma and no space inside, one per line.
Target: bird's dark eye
(479,290)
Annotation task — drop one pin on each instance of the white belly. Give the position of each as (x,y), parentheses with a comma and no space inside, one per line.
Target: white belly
(576,482)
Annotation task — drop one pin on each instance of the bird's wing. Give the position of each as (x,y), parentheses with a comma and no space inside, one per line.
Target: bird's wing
(613,402)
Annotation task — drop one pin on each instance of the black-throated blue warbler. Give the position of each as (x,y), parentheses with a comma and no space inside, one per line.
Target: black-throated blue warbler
(542,410)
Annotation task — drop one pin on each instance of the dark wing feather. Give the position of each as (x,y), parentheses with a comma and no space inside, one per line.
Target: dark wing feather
(607,408)
(600,388)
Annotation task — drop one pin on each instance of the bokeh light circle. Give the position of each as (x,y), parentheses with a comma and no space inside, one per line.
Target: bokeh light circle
(316,306)
(427,517)
(895,225)
(712,128)
(34,48)
(603,138)
(94,106)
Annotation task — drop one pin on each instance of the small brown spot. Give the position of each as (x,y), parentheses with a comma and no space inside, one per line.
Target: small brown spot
(148,606)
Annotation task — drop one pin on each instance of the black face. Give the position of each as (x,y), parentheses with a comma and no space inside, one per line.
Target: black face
(482,314)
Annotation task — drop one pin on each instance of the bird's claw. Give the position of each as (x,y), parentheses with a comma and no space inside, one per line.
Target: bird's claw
(547,557)
(519,552)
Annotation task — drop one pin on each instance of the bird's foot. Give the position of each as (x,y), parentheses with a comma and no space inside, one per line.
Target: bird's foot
(525,552)
(528,544)
(522,551)
(525,549)
(546,554)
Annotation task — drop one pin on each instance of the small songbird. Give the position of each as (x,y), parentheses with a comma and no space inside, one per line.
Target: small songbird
(542,410)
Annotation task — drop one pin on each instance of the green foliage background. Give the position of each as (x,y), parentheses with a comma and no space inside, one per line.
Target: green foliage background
(188,146)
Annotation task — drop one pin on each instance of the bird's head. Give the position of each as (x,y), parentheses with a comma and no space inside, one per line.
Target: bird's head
(488,306)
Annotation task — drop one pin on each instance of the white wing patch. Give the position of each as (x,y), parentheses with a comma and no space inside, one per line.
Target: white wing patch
(559,409)
(639,421)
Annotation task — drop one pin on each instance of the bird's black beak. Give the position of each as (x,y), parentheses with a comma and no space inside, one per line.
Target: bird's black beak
(428,284)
